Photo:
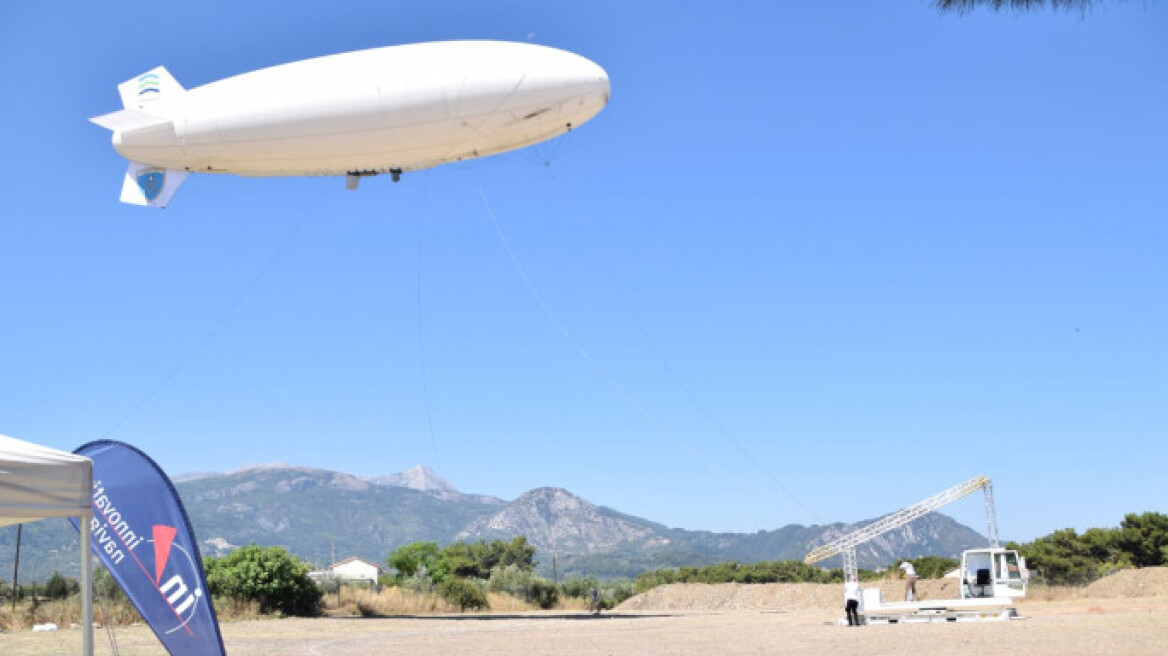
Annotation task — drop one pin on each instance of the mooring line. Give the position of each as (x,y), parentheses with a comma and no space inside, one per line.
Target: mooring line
(223,318)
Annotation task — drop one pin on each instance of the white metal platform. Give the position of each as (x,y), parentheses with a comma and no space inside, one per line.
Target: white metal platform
(875,610)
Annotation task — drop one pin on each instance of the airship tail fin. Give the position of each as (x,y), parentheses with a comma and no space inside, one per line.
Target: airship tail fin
(149,185)
(148,88)
(125,120)
(145,99)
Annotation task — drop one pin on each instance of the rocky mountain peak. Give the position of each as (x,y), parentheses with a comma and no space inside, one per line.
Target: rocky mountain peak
(318,513)
(555,519)
(418,477)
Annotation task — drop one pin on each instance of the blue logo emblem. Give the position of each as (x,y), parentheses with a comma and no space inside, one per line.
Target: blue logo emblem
(148,83)
(151,183)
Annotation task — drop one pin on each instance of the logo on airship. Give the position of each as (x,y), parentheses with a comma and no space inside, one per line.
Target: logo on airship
(149,83)
(151,183)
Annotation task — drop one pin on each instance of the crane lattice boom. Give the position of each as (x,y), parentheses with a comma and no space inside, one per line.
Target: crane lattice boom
(846,544)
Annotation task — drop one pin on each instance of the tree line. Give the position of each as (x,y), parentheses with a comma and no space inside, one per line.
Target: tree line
(1066,557)
(57,587)
(782,571)
(464,573)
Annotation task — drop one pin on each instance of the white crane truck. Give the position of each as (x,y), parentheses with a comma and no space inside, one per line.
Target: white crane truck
(991,577)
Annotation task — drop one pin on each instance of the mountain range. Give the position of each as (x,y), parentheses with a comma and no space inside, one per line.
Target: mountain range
(323,516)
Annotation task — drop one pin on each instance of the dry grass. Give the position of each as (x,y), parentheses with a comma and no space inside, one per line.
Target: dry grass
(572,603)
(351,602)
(501,602)
(392,602)
(120,613)
(1054,593)
(358,602)
(236,610)
(63,613)
(67,612)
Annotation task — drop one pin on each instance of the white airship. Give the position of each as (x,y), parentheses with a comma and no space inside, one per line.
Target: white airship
(385,110)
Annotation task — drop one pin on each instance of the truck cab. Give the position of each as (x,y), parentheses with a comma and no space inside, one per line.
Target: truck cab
(992,572)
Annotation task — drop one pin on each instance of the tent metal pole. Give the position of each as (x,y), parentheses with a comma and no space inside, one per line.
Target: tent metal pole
(86,585)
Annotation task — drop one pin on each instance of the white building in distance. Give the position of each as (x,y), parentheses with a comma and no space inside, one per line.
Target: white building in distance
(350,570)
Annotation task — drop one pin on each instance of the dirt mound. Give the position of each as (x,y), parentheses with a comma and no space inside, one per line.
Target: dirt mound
(772,596)
(1129,583)
(737,596)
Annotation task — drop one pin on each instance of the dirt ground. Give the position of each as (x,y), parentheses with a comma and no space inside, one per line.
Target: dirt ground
(756,619)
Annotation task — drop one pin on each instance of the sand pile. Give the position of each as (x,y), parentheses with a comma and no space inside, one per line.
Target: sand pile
(772,596)
(737,596)
(1130,583)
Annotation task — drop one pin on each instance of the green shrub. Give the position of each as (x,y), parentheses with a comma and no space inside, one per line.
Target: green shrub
(619,591)
(543,593)
(784,571)
(329,584)
(525,584)
(106,587)
(59,587)
(268,575)
(419,581)
(462,593)
(478,559)
(578,587)
(612,593)
(411,558)
(1144,538)
(931,567)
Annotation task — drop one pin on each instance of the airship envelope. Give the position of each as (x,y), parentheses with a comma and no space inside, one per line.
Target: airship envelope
(385,110)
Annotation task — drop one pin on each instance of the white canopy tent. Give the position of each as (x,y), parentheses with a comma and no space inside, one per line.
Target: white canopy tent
(37,482)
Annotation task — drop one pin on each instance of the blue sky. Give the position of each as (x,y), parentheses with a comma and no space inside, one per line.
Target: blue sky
(812,263)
